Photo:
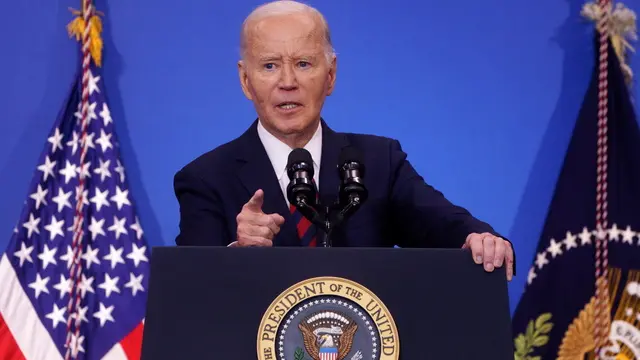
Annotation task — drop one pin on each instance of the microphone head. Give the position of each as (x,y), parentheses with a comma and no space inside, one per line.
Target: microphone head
(299,159)
(351,158)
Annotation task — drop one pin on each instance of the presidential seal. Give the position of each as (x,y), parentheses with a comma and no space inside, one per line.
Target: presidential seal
(327,318)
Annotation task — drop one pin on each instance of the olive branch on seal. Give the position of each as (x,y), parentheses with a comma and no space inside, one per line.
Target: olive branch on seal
(298,354)
(535,336)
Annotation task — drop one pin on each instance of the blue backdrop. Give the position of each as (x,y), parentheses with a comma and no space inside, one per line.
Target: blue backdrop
(482,94)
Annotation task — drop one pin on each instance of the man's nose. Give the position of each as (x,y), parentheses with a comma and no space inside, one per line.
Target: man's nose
(288,80)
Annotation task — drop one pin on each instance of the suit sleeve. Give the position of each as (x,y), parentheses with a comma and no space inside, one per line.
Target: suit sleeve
(422,213)
(201,214)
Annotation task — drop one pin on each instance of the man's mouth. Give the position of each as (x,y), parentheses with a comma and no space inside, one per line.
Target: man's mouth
(288,105)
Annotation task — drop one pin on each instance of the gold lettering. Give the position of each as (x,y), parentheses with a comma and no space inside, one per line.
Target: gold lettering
(279,310)
(299,294)
(355,293)
(274,317)
(377,315)
(291,299)
(388,347)
(310,290)
(268,328)
(268,354)
(386,330)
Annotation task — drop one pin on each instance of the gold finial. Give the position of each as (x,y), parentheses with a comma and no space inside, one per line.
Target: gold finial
(622,29)
(77,26)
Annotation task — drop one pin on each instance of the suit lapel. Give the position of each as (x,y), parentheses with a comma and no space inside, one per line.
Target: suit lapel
(256,172)
(332,144)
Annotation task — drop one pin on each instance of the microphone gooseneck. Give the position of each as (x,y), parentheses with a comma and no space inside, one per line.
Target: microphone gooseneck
(303,193)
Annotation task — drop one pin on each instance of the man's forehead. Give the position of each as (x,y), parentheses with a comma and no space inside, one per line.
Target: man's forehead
(290,30)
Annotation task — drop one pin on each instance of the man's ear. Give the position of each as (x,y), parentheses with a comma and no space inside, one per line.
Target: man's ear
(244,79)
(333,68)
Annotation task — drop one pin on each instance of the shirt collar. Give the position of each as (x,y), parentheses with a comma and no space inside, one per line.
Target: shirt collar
(278,151)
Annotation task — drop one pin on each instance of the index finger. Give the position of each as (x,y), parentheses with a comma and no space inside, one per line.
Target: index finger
(509,259)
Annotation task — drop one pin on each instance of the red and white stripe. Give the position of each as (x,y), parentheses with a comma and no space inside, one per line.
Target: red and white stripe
(23,336)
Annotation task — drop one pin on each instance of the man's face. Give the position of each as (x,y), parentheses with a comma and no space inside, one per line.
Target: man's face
(286,73)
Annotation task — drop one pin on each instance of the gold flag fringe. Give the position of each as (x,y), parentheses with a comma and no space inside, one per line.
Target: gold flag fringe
(622,30)
(76,28)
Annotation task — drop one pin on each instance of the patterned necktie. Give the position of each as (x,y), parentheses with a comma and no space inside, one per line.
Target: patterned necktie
(307,231)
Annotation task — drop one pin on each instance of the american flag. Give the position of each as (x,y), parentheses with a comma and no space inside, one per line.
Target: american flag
(52,307)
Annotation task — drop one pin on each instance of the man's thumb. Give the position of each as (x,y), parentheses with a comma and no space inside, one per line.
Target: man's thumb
(255,203)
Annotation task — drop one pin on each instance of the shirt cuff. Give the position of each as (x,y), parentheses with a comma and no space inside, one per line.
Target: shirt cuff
(233,244)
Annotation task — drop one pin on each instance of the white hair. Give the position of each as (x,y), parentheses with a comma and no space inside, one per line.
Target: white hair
(286,7)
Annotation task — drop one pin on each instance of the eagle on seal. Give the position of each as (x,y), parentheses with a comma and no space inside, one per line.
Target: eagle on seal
(322,346)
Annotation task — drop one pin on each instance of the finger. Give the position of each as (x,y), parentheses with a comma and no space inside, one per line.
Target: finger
(466,242)
(509,260)
(499,252)
(277,218)
(249,240)
(255,203)
(488,244)
(270,221)
(259,230)
(475,243)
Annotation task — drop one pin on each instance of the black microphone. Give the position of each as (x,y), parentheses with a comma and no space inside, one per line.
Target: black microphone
(302,191)
(352,192)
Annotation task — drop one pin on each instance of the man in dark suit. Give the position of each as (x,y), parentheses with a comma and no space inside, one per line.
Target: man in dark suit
(235,195)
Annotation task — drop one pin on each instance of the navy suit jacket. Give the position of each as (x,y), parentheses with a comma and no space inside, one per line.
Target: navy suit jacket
(401,209)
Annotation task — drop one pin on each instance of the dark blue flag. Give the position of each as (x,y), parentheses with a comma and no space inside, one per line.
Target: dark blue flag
(558,314)
(73,279)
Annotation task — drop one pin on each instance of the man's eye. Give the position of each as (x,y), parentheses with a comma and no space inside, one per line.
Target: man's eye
(269,66)
(303,64)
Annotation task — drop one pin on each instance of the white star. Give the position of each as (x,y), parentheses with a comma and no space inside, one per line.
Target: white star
(62,199)
(555,248)
(40,285)
(570,241)
(137,228)
(135,283)
(47,256)
(91,256)
(614,233)
(118,227)
(541,260)
(115,256)
(47,168)
(109,285)
(103,169)
(55,228)
(93,83)
(40,196)
(83,170)
(106,114)
(137,254)
(601,234)
(82,313)
(585,236)
(104,314)
(57,315)
(100,198)
(627,235)
(96,228)
(120,198)
(85,285)
(69,172)
(85,195)
(24,253)
(76,345)
(86,141)
(32,225)
(91,113)
(68,257)
(56,141)
(65,286)
(119,169)
(73,143)
(104,141)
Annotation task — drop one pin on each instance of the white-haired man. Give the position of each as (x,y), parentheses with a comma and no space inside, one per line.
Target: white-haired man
(235,194)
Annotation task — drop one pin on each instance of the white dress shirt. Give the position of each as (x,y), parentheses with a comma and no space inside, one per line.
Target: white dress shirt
(278,153)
